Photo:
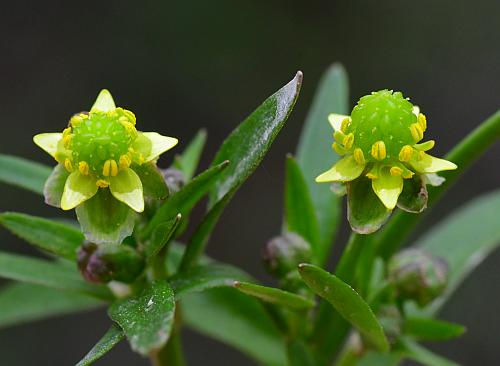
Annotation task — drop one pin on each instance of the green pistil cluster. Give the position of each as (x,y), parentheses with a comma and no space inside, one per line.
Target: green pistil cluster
(99,144)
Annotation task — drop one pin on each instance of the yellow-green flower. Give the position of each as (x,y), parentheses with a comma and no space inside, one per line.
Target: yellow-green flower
(382,141)
(100,149)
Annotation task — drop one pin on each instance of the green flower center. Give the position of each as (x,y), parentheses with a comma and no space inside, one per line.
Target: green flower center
(100,143)
(381,125)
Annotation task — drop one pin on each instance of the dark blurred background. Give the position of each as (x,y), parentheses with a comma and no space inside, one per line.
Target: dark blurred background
(184,65)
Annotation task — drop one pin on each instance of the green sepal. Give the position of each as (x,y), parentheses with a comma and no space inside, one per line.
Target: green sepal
(54,186)
(365,212)
(153,184)
(414,196)
(104,219)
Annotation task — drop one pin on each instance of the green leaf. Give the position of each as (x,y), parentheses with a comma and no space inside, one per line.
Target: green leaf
(112,337)
(23,173)
(146,319)
(153,184)
(160,237)
(56,275)
(431,329)
(315,155)
(104,219)
(416,352)
(299,354)
(365,212)
(464,239)
(347,302)
(274,296)
(204,277)
(183,201)
(54,186)
(247,145)
(24,302)
(188,161)
(51,236)
(380,359)
(300,217)
(414,196)
(237,320)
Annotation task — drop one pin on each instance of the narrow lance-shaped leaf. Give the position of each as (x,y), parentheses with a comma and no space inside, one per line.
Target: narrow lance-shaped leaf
(24,302)
(41,272)
(299,354)
(431,329)
(416,352)
(146,319)
(274,296)
(300,217)
(110,339)
(54,237)
(315,155)
(464,239)
(160,237)
(347,302)
(23,173)
(188,161)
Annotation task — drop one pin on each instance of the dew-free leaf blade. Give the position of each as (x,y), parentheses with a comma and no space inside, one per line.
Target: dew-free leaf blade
(414,351)
(41,272)
(188,161)
(160,237)
(237,320)
(23,173)
(24,302)
(153,184)
(110,339)
(147,318)
(347,302)
(427,329)
(51,236)
(315,155)
(274,296)
(300,216)
(299,354)
(464,239)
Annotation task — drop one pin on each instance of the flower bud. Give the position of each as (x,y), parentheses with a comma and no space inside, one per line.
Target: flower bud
(283,253)
(109,262)
(174,178)
(418,275)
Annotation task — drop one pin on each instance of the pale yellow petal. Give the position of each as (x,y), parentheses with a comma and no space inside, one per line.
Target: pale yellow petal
(345,170)
(78,188)
(152,144)
(127,188)
(426,163)
(48,142)
(388,187)
(104,102)
(336,120)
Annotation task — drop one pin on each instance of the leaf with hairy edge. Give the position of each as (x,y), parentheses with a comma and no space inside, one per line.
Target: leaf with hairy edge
(146,319)
(188,161)
(300,217)
(347,302)
(274,296)
(51,236)
(110,339)
(24,302)
(23,173)
(41,272)
(236,320)
(464,239)
(315,155)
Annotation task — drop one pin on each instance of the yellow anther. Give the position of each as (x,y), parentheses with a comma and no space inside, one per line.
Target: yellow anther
(140,159)
(416,132)
(339,137)
(130,116)
(123,119)
(110,168)
(359,157)
(114,168)
(422,121)
(83,167)
(406,153)
(395,170)
(84,116)
(348,141)
(338,148)
(102,183)
(75,121)
(67,139)
(344,124)
(68,165)
(407,174)
(66,132)
(378,150)
(129,127)
(420,155)
(373,173)
(424,146)
(125,161)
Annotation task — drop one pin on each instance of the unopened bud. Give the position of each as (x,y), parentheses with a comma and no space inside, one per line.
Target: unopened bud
(283,253)
(418,275)
(174,178)
(109,262)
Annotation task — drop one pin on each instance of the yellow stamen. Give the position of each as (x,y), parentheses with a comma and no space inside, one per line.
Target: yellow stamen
(359,157)
(420,155)
(416,132)
(338,149)
(106,168)
(345,124)
(348,141)
(405,153)
(130,116)
(407,174)
(66,132)
(67,139)
(378,150)
(141,159)
(422,121)
(102,183)
(339,137)
(424,146)
(125,161)
(395,170)
(83,167)
(114,168)
(129,127)
(75,121)
(68,165)
(84,116)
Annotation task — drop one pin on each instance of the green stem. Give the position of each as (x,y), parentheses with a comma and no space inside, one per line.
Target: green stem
(346,269)
(464,154)
(171,354)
